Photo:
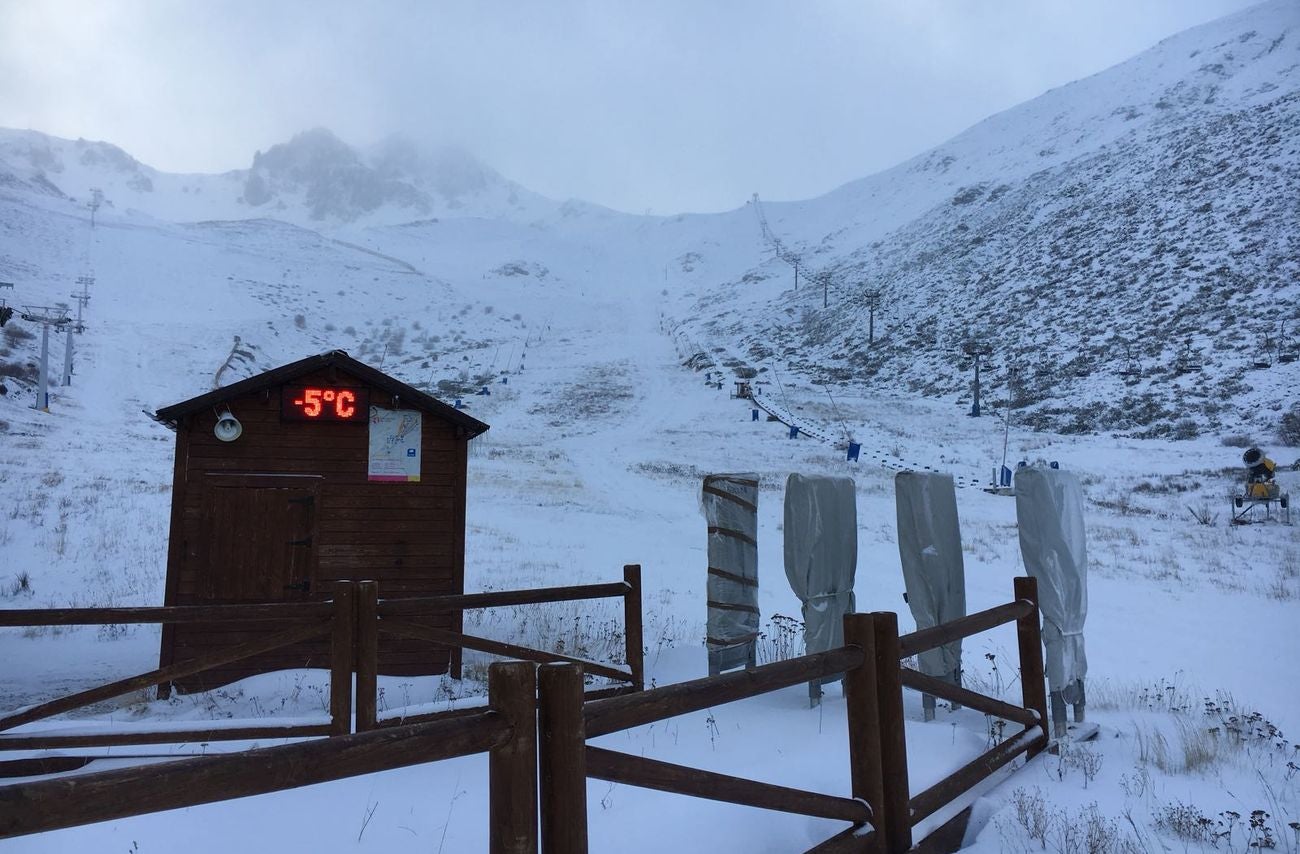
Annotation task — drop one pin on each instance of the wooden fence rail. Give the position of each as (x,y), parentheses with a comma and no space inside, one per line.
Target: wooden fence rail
(398,617)
(265,612)
(881,811)
(538,721)
(308,620)
(905,812)
(566,760)
(618,713)
(506,731)
(353,620)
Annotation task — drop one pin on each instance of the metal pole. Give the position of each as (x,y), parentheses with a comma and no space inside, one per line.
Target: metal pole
(67,357)
(43,390)
(1006,432)
(975,406)
(873,302)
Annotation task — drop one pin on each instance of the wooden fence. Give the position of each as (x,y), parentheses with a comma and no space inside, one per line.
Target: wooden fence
(352,620)
(879,807)
(536,726)
(506,730)
(305,619)
(399,617)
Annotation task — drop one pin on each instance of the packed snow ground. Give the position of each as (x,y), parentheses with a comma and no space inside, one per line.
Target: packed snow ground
(598,442)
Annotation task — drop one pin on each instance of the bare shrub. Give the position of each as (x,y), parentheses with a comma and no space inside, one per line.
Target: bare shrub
(782,639)
(1032,814)
(1288,428)
(14,334)
(1184,821)
(19,370)
(1194,749)
(21,585)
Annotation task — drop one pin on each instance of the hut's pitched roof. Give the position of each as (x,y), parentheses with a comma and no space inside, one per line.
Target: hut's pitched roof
(409,395)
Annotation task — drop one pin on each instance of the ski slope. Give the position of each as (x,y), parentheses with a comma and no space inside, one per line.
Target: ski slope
(583,324)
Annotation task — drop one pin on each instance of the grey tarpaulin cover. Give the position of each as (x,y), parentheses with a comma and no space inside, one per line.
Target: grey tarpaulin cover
(1049,510)
(730,503)
(821,554)
(929,544)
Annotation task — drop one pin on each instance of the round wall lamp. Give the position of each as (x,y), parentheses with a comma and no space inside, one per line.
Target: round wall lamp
(228,428)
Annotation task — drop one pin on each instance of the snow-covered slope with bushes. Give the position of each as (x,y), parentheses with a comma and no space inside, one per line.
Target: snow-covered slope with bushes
(1142,221)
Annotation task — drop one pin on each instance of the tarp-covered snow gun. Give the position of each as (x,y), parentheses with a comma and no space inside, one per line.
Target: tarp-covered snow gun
(730,505)
(1053,544)
(929,545)
(821,559)
(1260,493)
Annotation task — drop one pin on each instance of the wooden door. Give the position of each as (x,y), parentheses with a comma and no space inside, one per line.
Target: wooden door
(259,536)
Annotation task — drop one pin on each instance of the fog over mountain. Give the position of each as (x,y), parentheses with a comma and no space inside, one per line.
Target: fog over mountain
(314,178)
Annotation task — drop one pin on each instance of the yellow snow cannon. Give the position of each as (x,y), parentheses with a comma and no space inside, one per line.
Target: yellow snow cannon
(1261,492)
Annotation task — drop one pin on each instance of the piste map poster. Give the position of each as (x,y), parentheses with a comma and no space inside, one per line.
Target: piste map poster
(394,445)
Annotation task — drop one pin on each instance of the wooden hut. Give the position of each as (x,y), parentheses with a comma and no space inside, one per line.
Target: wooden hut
(315,472)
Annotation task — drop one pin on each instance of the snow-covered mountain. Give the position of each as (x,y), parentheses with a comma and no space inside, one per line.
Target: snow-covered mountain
(1129,244)
(313,179)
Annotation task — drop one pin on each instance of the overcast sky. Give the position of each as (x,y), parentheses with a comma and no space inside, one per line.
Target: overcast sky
(669,106)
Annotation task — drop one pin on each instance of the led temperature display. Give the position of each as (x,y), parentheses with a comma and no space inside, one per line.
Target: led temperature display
(324,403)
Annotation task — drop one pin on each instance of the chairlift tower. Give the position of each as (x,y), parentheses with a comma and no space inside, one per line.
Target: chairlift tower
(79,327)
(47,316)
(791,258)
(82,298)
(873,303)
(67,347)
(1132,368)
(96,200)
(976,350)
(6,311)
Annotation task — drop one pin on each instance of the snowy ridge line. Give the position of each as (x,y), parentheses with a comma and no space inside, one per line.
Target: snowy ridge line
(392,259)
(880,457)
(825,278)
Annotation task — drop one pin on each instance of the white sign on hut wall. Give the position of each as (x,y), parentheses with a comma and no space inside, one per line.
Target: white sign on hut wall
(394,445)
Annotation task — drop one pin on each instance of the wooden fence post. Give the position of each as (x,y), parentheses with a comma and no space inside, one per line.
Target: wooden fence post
(634,639)
(367,654)
(562,749)
(341,640)
(896,821)
(1032,680)
(863,706)
(512,765)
